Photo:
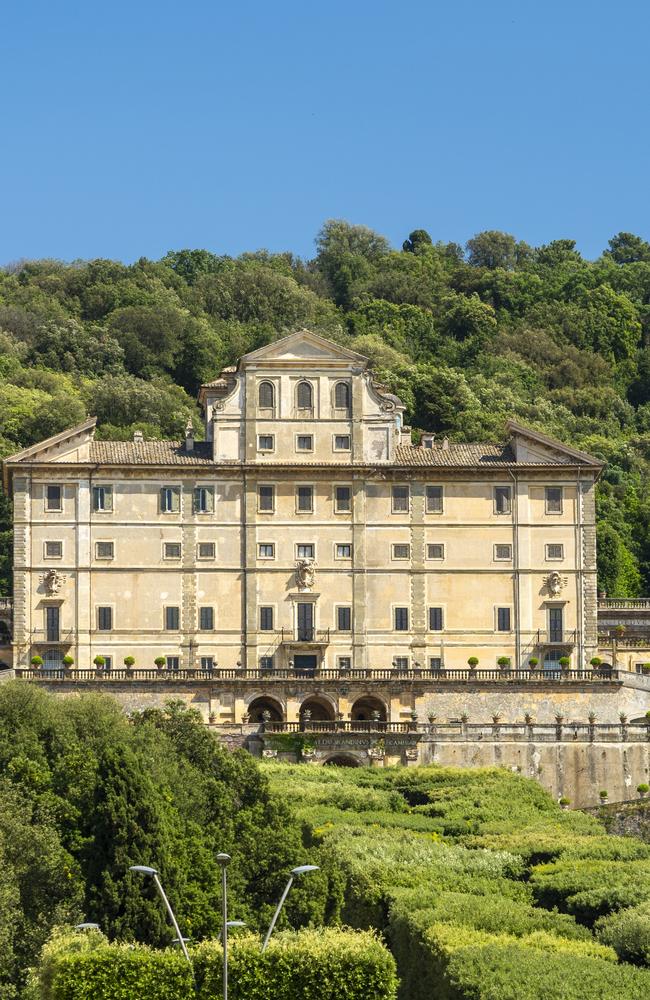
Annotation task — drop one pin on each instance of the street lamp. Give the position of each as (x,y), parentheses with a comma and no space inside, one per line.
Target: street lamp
(224,861)
(234,923)
(86,927)
(146,870)
(295,872)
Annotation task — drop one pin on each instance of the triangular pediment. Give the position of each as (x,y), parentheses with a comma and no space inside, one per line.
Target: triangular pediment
(68,446)
(303,346)
(533,446)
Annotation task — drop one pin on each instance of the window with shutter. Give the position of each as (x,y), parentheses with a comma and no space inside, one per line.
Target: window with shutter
(206,619)
(503,619)
(203,500)
(172,619)
(435,619)
(102,498)
(434,499)
(401,617)
(105,619)
(304,396)
(344,619)
(342,396)
(170,500)
(266,619)
(266,396)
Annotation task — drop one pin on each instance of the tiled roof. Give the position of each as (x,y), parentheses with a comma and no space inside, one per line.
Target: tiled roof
(149,453)
(455,455)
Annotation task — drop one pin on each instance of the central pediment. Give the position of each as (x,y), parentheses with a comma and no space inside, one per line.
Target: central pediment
(303,346)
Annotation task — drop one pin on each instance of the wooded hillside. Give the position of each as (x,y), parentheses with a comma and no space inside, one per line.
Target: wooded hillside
(468,337)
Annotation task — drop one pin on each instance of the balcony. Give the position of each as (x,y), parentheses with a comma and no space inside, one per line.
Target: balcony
(52,637)
(557,637)
(624,604)
(304,637)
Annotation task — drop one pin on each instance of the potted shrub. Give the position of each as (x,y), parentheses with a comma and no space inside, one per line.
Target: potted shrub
(643,789)
(528,719)
(533,663)
(592,718)
(414,716)
(37,663)
(245,717)
(503,663)
(160,662)
(68,661)
(559,719)
(464,718)
(645,669)
(619,631)
(472,664)
(565,663)
(100,663)
(496,718)
(603,795)
(432,717)
(623,718)
(129,663)
(564,802)
(595,662)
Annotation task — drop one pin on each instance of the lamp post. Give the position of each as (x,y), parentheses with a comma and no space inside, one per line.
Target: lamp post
(224,861)
(146,870)
(295,872)
(86,927)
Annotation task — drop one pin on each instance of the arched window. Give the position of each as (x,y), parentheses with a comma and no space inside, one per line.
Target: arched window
(304,396)
(342,396)
(266,396)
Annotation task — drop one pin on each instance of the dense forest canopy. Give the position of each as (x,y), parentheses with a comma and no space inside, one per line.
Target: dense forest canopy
(468,337)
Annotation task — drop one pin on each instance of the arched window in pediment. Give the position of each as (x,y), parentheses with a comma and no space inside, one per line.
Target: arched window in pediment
(304,396)
(266,396)
(342,396)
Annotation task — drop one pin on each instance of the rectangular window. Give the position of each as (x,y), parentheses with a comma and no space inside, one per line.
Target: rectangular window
(206,550)
(502,500)
(266,663)
(553,496)
(344,662)
(556,624)
(53,498)
(172,619)
(434,499)
(102,498)
(104,619)
(341,442)
(266,498)
(104,550)
(400,499)
(203,500)
(53,550)
(305,550)
(305,498)
(342,499)
(401,551)
(170,500)
(435,663)
(344,619)
(401,619)
(344,551)
(503,619)
(266,619)
(435,619)
(207,664)
(435,550)
(172,550)
(401,663)
(266,550)
(554,551)
(265,442)
(173,663)
(52,622)
(206,619)
(304,442)
(503,553)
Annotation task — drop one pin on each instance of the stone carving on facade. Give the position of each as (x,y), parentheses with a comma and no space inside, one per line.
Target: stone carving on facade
(52,581)
(268,753)
(555,583)
(411,753)
(376,753)
(305,573)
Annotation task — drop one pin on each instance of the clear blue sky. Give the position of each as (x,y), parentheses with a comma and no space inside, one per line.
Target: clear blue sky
(130,128)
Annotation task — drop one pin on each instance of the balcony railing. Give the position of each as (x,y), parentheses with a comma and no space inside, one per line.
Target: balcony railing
(315,636)
(52,637)
(624,604)
(557,637)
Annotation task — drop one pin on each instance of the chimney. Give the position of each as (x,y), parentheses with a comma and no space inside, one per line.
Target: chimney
(445,444)
(138,437)
(189,436)
(427,441)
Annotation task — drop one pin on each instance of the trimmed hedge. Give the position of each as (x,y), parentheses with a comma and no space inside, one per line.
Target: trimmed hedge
(591,889)
(628,933)
(328,964)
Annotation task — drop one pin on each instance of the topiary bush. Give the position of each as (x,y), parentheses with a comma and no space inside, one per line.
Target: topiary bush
(628,933)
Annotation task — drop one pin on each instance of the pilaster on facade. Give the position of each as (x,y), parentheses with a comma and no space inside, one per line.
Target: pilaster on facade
(359,566)
(418,574)
(189,604)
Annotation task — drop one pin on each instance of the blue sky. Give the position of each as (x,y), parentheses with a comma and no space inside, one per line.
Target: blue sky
(132,128)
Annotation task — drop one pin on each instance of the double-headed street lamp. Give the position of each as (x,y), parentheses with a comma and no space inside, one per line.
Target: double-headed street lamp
(146,870)
(295,873)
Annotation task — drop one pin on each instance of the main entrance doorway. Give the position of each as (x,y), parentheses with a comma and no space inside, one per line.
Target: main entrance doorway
(305,662)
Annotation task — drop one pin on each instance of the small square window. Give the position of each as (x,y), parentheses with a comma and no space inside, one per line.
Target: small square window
(53,498)
(266,498)
(206,550)
(554,551)
(344,662)
(203,500)
(265,442)
(206,619)
(401,619)
(266,619)
(344,619)
(401,663)
(305,550)
(173,663)
(304,442)
(401,551)
(503,619)
(434,499)
(172,550)
(503,553)
(102,498)
(305,499)
(53,550)
(207,664)
(105,619)
(172,619)
(266,550)
(435,663)
(344,551)
(502,500)
(435,619)
(435,550)
(104,550)
(266,663)
(341,442)
(170,500)
(553,496)
(342,499)
(400,499)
